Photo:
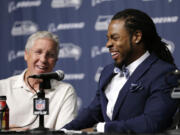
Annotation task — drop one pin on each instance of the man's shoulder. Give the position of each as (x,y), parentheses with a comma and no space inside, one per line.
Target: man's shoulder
(10,79)
(163,66)
(7,83)
(159,62)
(61,85)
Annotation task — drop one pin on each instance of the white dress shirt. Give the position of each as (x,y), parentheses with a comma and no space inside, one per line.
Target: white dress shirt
(114,87)
(62,103)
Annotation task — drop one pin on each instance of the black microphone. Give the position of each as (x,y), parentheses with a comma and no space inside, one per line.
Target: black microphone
(58,75)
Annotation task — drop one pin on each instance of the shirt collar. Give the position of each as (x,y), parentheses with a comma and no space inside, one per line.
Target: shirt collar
(20,81)
(131,67)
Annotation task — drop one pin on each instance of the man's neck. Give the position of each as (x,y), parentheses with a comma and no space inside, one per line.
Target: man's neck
(32,84)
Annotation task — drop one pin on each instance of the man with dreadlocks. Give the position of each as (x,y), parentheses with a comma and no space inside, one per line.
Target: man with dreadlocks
(132,94)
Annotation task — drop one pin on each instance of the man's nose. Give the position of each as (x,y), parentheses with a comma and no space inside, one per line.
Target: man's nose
(43,57)
(109,43)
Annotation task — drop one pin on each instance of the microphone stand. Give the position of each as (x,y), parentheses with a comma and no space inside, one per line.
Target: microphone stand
(45,84)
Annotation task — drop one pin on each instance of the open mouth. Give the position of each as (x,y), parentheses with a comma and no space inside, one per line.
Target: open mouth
(41,68)
(115,55)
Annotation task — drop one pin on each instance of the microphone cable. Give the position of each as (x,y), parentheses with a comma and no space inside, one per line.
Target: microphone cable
(36,115)
(30,85)
(25,125)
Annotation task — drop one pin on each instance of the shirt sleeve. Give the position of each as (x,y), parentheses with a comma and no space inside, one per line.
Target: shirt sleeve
(100,127)
(68,110)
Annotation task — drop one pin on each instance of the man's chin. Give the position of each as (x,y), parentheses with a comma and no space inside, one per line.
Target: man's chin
(118,64)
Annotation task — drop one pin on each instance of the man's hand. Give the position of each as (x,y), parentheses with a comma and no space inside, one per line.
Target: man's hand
(88,130)
(17,128)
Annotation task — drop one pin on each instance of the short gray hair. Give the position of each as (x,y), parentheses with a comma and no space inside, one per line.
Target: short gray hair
(42,34)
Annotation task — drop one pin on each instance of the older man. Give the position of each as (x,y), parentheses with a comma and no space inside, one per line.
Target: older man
(41,54)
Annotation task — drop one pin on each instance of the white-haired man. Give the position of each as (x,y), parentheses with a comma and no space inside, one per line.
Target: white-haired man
(41,54)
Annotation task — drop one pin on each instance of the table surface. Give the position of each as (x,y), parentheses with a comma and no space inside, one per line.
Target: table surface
(51,132)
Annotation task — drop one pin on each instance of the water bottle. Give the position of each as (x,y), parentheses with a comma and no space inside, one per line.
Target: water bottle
(4,114)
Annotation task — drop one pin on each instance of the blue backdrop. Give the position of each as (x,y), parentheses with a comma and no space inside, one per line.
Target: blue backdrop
(82,27)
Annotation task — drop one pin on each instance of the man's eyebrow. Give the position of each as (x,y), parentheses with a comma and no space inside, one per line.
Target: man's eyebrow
(113,35)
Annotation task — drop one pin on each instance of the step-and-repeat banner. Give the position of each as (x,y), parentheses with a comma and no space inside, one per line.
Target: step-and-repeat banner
(81,26)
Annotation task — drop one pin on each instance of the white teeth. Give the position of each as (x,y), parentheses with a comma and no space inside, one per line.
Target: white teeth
(41,67)
(113,53)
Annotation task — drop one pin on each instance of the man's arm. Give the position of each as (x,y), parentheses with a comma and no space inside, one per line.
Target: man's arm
(156,117)
(158,111)
(87,117)
(68,110)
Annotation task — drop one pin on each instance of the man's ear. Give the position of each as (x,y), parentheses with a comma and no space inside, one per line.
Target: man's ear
(25,55)
(137,37)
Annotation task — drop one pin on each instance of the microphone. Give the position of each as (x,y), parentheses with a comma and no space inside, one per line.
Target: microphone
(58,75)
